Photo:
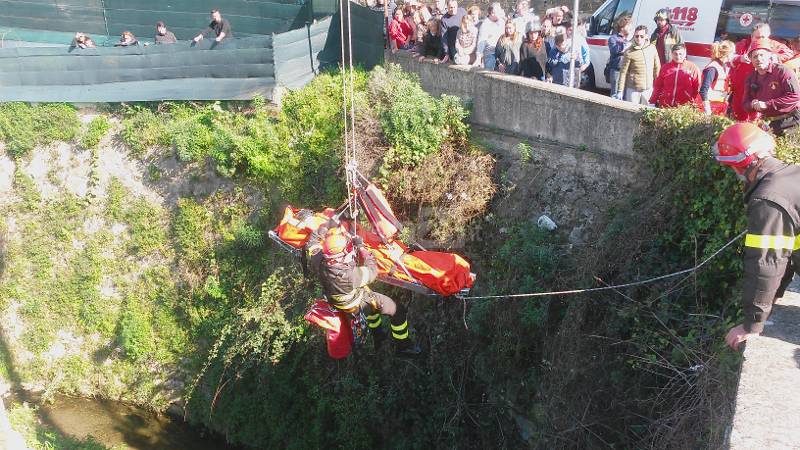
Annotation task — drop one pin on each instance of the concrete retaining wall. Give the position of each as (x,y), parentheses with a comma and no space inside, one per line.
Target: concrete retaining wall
(531,108)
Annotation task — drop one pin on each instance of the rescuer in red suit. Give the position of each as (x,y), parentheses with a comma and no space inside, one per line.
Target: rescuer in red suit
(742,68)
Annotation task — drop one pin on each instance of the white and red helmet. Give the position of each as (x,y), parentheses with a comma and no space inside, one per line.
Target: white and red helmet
(741,144)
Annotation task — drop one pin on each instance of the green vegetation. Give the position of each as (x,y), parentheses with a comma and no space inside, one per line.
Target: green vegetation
(413,122)
(96,130)
(23,127)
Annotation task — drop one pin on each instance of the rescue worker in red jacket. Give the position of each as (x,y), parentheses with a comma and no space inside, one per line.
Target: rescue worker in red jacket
(678,83)
(772,242)
(742,68)
(772,90)
(345,269)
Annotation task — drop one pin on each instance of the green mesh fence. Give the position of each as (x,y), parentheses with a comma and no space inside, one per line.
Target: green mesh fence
(301,53)
(237,68)
(185,18)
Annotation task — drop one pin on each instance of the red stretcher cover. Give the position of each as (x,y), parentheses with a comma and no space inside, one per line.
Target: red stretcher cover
(379,212)
(338,334)
(444,273)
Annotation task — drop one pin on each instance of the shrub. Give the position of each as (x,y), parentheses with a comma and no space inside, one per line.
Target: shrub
(191,229)
(97,128)
(191,132)
(142,130)
(414,123)
(23,127)
(147,227)
(136,336)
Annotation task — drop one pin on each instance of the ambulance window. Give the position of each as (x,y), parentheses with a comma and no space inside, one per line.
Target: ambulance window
(738,17)
(604,18)
(784,21)
(624,8)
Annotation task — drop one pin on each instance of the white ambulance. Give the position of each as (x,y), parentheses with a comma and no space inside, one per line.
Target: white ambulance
(699,22)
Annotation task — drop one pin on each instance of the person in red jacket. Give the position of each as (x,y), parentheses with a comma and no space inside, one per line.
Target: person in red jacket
(773,90)
(678,83)
(742,68)
(399,32)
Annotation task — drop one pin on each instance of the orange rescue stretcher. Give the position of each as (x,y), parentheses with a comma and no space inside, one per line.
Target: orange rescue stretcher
(421,271)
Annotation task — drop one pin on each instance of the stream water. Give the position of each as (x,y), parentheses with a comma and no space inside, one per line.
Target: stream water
(116,424)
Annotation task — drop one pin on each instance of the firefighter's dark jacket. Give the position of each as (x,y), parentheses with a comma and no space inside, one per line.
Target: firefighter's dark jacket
(772,243)
(343,282)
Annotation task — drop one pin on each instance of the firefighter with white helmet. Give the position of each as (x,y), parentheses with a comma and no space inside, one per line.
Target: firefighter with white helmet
(772,242)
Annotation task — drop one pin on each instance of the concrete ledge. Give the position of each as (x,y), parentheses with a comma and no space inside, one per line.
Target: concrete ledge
(768,399)
(532,108)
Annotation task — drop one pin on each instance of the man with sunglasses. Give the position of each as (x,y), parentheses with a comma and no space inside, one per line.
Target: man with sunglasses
(772,242)
(772,89)
(639,69)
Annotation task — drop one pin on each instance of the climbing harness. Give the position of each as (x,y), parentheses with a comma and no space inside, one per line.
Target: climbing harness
(608,288)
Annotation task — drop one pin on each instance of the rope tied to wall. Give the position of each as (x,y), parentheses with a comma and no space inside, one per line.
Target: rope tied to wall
(608,288)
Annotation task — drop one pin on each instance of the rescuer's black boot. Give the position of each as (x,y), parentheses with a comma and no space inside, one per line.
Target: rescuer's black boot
(405,346)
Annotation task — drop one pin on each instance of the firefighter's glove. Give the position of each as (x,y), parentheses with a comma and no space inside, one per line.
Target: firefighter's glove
(358,241)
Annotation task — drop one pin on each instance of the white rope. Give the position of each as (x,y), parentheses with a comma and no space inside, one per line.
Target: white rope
(354,159)
(347,157)
(608,288)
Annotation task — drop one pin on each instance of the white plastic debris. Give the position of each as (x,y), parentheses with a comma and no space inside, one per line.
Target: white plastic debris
(546,223)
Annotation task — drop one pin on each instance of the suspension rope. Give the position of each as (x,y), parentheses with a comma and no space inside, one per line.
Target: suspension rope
(348,91)
(347,156)
(353,166)
(608,288)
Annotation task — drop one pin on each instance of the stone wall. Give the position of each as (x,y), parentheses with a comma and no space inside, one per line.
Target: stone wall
(532,108)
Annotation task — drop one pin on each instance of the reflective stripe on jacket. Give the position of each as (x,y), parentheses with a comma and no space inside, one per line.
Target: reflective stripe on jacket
(772,242)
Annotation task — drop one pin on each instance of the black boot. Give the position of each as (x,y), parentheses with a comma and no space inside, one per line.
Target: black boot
(404,345)
(408,348)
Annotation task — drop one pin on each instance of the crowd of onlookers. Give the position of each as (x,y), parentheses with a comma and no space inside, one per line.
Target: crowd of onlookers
(746,80)
(518,43)
(751,79)
(219,27)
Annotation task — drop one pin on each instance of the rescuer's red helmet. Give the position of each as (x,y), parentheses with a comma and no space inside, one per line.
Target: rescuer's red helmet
(336,245)
(760,44)
(740,143)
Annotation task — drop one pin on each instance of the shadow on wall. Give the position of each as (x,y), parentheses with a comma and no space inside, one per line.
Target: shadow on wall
(786,325)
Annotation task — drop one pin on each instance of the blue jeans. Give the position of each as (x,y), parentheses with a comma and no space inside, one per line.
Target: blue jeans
(614,76)
(489,61)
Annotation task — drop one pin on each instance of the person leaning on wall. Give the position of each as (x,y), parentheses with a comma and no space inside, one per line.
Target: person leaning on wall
(81,40)
(219,27)
(163,35)
(127,39)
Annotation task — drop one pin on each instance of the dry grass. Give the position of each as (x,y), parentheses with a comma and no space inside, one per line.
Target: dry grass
(458,185)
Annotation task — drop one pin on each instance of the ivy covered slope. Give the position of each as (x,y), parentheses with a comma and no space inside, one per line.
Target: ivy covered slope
(135,264)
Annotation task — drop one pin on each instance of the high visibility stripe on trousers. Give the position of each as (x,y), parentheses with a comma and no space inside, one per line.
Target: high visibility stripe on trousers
(774,242)
(399,323)
(374,321)
(400,331)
